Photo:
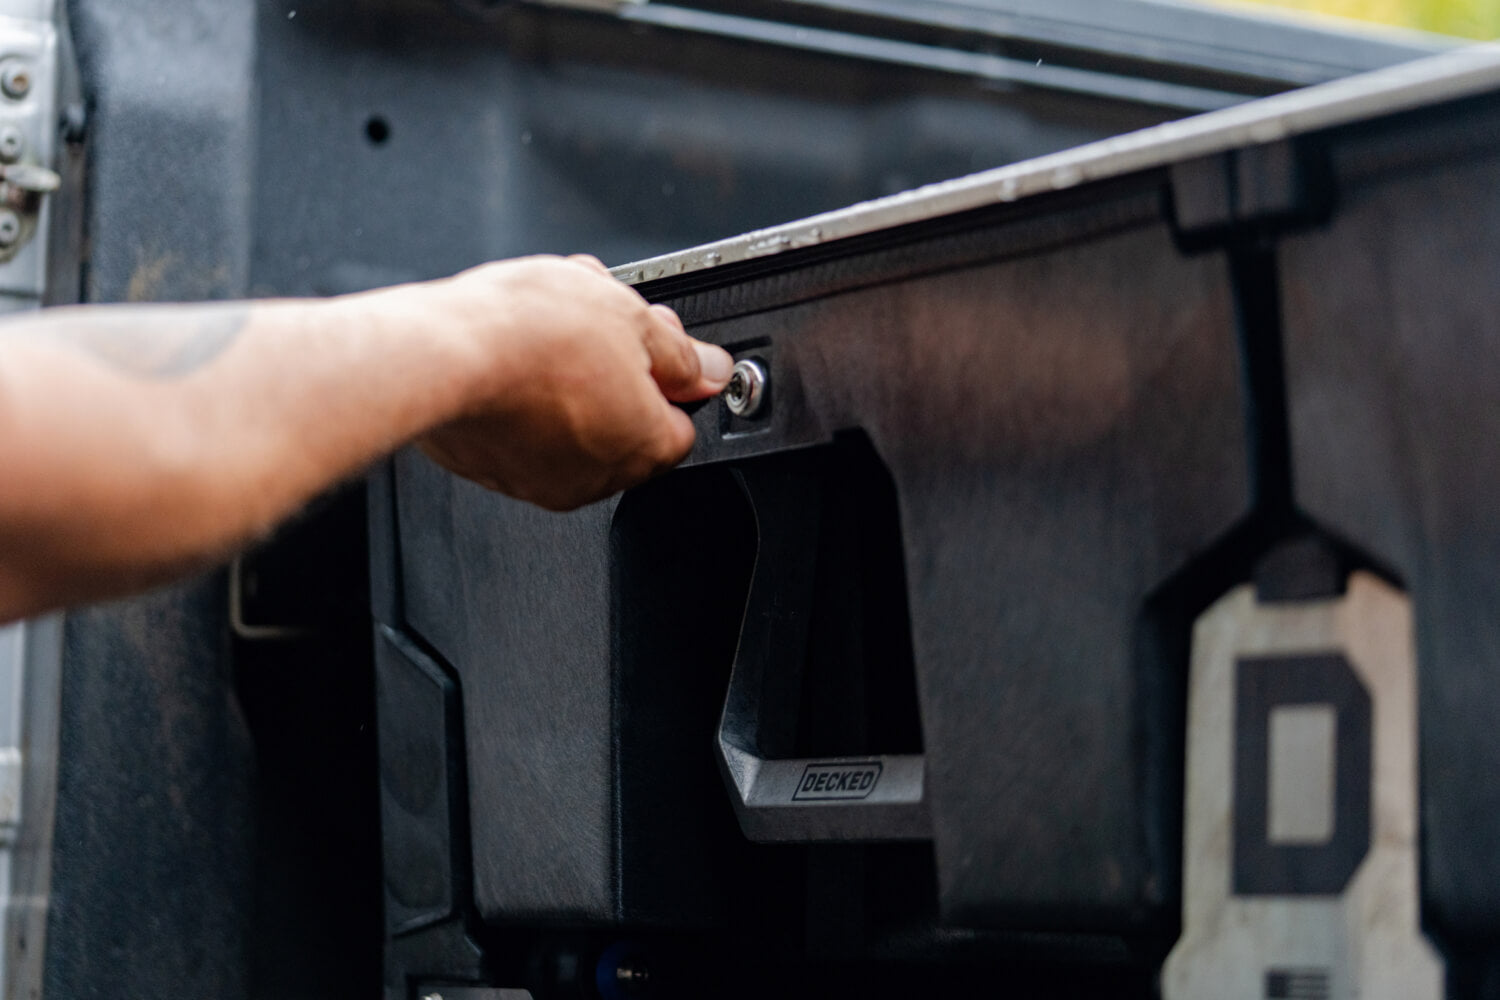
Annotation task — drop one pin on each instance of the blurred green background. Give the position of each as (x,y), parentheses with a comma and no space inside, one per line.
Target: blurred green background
(1468,18)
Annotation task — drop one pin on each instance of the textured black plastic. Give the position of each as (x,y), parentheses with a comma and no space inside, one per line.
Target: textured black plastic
(1391,347)
(153,846)
(1031,413)
(415,705)
(154,850)
(1063,427)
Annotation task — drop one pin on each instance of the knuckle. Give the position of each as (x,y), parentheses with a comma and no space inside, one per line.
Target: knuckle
(687,359)
(672,446)
(657,451)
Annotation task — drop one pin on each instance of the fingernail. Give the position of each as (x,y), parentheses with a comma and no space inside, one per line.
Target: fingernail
(715,362)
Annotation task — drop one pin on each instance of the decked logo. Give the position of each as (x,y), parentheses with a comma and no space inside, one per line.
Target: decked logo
(1301,823)
(823,782)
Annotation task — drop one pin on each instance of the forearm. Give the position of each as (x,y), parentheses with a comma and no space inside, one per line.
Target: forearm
(138,442)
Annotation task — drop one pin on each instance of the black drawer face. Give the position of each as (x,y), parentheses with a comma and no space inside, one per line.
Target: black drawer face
(920,659)
(940,544)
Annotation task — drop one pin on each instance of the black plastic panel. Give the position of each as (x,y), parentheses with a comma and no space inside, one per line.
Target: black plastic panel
(1064,431)
(1391,341)
(153,868)
(1034,416)
(154,841)
(536,678)
(416,705)
(402,146)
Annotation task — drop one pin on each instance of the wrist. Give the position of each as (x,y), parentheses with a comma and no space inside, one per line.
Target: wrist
(420,336)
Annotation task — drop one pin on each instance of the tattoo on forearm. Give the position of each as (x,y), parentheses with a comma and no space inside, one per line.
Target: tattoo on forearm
(155,342)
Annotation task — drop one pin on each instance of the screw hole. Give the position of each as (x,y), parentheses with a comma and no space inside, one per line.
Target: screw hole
(377,130)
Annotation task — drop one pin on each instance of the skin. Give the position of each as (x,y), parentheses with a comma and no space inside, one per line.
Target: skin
(139,443)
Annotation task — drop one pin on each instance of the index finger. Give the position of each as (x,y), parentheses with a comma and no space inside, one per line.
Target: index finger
(685,369)
(590,261)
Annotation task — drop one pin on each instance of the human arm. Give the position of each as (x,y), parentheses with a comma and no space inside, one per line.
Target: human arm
(141,442)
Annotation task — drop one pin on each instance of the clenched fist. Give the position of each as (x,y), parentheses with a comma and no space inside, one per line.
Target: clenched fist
(575,377)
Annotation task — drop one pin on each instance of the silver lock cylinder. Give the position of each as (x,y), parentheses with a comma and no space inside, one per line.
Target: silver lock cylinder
(746,392)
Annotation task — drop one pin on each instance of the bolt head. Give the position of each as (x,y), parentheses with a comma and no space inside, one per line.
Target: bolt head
(15,79)
(12,143)
(10,228)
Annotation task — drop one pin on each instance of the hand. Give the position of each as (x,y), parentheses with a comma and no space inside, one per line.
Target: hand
(578,372)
